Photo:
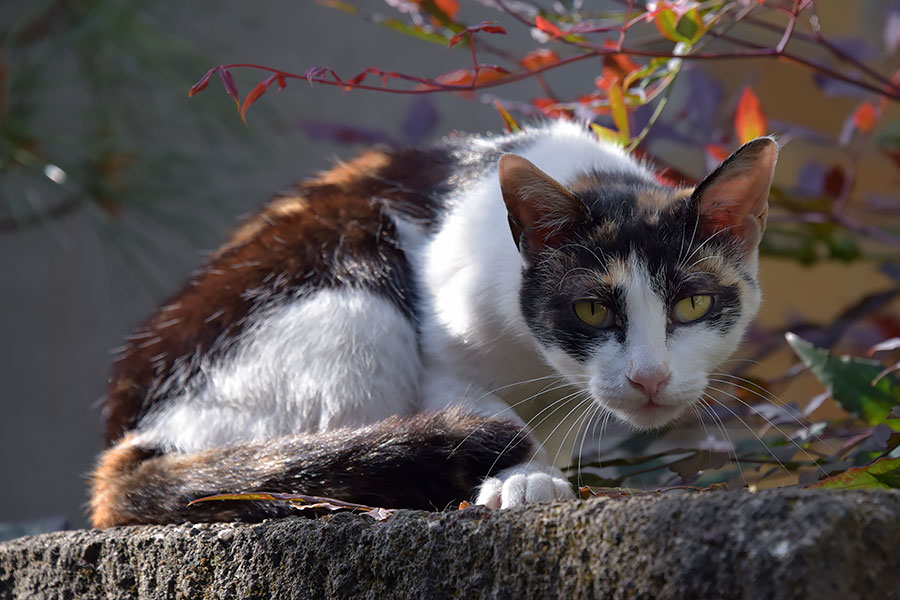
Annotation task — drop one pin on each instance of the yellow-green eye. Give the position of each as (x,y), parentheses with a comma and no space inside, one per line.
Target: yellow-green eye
(692,308)
(593,313)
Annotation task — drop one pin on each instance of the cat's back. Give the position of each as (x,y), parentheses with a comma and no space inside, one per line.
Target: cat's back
(335,231)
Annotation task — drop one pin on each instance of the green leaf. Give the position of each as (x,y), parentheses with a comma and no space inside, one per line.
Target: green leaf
(667,22)
(690,25)
(850,381)
(884,473)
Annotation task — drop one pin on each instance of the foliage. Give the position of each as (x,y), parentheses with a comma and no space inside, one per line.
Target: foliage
(639,50)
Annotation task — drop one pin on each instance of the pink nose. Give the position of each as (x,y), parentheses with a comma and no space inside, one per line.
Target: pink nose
(650,382)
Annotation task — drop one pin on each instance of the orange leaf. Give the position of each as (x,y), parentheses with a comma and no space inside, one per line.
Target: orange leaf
(254,95)
(547,26)
(620,64)
(550,107)
(470,77)
(450,7)
(718,151)
(865,116)
(204,81)
(541,57)
(750,122)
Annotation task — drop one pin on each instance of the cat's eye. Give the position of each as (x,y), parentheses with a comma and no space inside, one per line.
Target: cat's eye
(692,308)
(593,313)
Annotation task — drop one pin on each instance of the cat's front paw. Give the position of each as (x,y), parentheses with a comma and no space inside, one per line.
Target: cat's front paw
(523,485)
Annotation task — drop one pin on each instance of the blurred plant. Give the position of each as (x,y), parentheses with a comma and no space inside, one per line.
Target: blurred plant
(77,135)
(640,49)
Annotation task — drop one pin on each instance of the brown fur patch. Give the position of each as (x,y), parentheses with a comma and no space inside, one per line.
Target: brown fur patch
(655,199)
(108,489)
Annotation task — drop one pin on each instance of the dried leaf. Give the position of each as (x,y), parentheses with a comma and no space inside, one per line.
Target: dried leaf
(883,473)
(750,122)
(302,502)
(464,505)
(703,460)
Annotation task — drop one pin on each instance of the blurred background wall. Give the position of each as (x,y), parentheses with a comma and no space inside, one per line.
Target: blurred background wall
(106,103)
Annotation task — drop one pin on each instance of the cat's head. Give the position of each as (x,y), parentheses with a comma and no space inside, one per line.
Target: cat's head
(636,291)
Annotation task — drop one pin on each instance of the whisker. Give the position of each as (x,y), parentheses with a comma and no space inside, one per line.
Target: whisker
(774,400)
(778,429)
(726,438)
(578,421)
(559,403)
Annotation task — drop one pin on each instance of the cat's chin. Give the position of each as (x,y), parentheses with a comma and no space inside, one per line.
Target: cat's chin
(649,415)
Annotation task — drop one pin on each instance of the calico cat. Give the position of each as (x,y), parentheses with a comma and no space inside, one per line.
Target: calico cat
(363,336)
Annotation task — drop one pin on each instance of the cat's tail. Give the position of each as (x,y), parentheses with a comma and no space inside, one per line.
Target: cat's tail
(426,461)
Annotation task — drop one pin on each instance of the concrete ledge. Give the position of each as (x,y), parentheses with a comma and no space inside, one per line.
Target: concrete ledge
(778,544)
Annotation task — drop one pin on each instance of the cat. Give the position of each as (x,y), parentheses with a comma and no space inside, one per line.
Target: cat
(363,337)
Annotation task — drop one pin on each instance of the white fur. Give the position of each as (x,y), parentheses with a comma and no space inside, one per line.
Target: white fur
(337,357)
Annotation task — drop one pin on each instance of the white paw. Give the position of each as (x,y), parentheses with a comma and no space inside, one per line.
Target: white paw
(523,485)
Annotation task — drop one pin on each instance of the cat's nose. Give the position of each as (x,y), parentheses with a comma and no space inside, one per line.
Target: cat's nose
(650,381)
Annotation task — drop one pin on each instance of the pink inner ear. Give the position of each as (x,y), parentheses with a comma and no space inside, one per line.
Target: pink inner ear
(735,197)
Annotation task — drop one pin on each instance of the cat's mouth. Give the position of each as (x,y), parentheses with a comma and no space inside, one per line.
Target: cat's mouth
(649,414)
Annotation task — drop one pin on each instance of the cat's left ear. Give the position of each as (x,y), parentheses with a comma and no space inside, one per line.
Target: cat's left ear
(733,199)
(542,212)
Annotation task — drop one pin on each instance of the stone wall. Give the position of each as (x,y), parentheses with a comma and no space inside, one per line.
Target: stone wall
(777,544)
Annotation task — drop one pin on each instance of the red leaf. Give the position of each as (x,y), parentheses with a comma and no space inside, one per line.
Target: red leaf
(550,107)
(865,116)
(204,81)
(469,77)
(718,151)
(834,181)
(230,85)
(314,73)
(486,26)
(548,26)
(750,122)
(254,95)
(541,57)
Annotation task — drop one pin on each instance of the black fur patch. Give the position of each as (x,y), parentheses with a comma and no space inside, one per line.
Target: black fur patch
(427,462)
(665,239)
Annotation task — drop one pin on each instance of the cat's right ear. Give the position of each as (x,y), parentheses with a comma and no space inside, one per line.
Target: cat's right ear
(542,212)
(734,198)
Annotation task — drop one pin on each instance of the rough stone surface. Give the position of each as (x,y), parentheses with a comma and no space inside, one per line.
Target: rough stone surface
(779,544)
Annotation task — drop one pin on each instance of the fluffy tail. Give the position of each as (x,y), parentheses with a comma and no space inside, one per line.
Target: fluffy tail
(426,461)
